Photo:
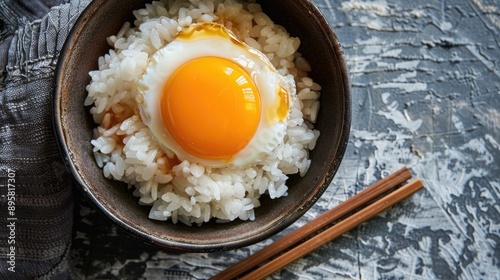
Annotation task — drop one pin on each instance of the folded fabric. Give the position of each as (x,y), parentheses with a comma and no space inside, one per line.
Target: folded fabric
(35,188)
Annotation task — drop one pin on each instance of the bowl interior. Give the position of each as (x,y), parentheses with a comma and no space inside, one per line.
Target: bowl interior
(74,125)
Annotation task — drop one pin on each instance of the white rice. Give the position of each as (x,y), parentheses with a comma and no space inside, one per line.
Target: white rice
(188,192)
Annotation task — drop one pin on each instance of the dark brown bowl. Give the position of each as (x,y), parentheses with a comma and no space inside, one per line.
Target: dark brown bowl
(73,124)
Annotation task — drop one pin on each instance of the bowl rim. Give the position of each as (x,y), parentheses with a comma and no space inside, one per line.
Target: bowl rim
(62,137)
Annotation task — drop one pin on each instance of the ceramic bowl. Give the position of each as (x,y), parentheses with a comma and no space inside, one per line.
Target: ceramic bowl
(74,125)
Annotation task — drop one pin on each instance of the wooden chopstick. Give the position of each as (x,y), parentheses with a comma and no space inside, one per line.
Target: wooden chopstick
(335,231)
(319,223)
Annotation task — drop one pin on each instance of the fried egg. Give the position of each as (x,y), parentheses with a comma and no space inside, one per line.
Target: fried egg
(211,99)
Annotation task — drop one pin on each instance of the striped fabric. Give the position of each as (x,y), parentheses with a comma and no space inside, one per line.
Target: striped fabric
(35,189)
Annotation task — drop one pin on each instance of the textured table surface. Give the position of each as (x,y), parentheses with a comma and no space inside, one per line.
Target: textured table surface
(425,80)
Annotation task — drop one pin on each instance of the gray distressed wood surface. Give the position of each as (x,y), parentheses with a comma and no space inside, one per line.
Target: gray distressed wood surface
(426,94)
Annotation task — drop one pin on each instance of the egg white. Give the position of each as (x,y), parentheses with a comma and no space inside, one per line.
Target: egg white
(167,60)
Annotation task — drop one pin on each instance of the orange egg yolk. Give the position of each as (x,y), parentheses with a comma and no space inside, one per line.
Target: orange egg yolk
(211,107)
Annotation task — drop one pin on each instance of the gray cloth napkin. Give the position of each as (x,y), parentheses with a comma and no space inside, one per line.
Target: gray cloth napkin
(35,188)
